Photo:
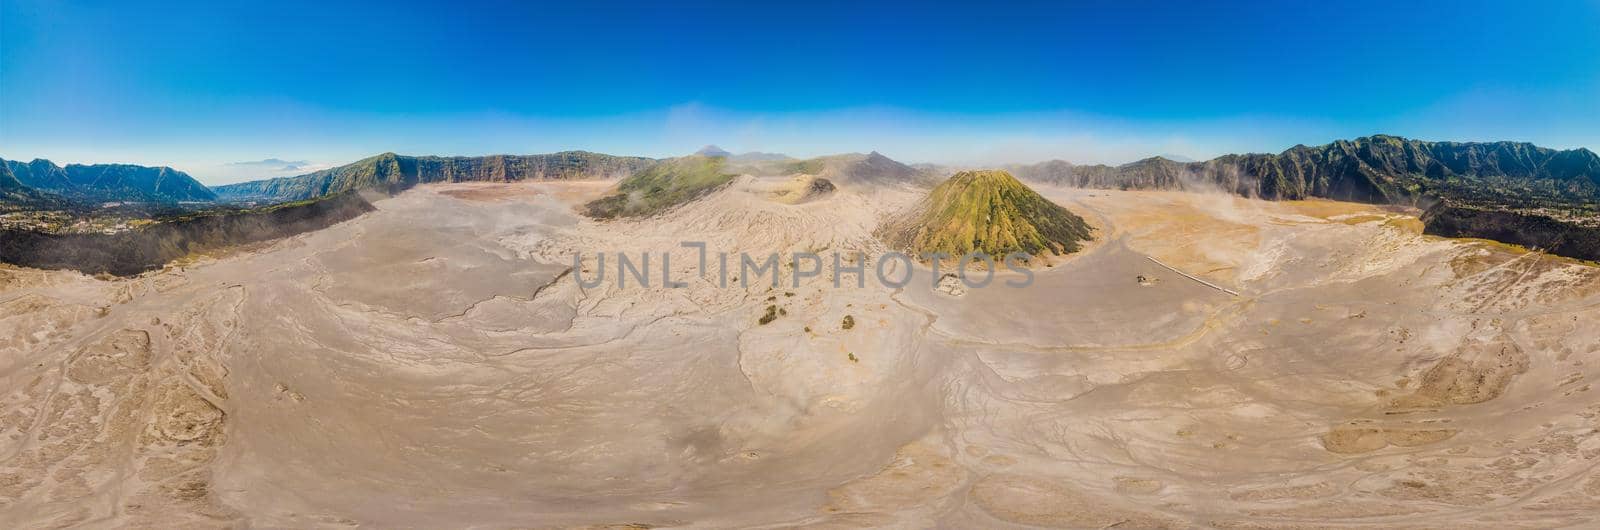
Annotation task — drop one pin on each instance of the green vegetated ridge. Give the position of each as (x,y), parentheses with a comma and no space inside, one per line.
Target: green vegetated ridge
(662,186)
(987,211)
(392,173)
(16,196)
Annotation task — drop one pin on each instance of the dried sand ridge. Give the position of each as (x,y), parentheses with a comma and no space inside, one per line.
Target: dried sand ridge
(429,365)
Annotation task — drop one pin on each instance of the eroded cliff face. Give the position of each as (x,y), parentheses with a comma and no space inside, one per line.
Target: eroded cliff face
(150,247)
(1374,169)
(392,173)
(1556,236)
(1489,190)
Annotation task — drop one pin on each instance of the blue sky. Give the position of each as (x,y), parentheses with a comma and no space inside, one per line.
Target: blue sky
(208,86)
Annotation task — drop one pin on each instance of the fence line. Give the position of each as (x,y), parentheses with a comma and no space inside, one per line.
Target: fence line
(1186,275)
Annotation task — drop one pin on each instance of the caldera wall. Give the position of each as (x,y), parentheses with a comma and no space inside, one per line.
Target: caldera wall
(135,251)
(1562,238)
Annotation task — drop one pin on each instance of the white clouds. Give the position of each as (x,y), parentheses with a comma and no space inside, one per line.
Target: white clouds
(275,165)
(227,172)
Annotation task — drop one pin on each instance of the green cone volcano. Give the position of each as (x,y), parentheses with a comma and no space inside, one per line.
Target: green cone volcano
(987,211)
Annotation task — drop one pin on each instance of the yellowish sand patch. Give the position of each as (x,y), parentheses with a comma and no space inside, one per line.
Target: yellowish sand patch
(918,474)
(1326,209)
(1045,502)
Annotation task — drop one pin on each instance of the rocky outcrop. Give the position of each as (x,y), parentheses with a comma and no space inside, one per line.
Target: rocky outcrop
(392,173)
(137,250)
(804,188)
(1561,237)
(817,188)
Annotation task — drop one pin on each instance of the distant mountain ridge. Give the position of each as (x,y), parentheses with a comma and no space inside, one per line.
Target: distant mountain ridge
(875,167)
(855,168)
(391,172)
(1513,192)
(15,195)
(1538,197)
(713,151)
(99,183)
(1373,169)
(758,156)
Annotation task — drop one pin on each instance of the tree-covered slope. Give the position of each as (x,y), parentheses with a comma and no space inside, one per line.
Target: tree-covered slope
(987,211)
(99,183)
(14,195)
(41,174)
(8,180)
(662,186)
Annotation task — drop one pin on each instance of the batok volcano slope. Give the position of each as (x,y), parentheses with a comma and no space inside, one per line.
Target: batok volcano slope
(434,364)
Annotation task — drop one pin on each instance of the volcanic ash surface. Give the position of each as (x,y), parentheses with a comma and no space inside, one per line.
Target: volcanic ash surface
(435,364)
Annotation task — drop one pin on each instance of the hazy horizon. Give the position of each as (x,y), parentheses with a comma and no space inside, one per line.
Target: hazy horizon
(274,167)
(221,88)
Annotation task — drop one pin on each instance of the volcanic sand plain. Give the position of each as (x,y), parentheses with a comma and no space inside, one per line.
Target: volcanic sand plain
(437,363)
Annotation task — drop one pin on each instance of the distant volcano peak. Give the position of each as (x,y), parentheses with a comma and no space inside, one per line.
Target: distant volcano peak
(713,151)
